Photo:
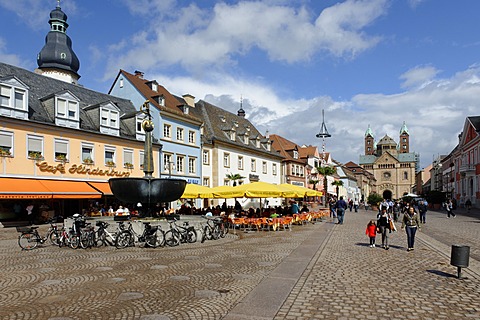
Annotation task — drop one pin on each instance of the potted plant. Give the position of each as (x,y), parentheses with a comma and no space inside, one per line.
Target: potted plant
(61,157)
(88,160)
(35,155)
(5,153)
(110,163)
(128,165)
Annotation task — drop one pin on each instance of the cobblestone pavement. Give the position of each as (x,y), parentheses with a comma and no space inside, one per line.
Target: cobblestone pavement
(316,271)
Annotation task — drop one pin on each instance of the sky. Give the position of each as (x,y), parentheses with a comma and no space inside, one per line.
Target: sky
(376,63)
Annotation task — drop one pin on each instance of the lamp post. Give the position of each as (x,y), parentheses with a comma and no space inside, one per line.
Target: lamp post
(323,134)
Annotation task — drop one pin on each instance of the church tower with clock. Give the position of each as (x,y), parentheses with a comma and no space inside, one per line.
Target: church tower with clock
(392,164)
(57,59)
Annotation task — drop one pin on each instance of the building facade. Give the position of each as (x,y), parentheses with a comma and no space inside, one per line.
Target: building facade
(392,164)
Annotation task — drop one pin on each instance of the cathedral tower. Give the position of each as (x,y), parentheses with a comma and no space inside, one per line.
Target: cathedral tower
(404,139)
(369,142)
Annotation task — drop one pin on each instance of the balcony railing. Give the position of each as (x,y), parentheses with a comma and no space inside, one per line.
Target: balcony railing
(467,168)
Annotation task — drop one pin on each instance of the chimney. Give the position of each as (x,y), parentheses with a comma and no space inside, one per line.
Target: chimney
(139,74)
(189,99)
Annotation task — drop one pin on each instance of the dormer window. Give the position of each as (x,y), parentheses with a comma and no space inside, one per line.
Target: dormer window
(67,113)
(186,109)
(246,139)
(109,118)
(154,86)
(257,143)
(295,154)
(232,135)
(13,98)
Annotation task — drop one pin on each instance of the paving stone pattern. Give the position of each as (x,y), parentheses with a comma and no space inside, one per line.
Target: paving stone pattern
(316,271)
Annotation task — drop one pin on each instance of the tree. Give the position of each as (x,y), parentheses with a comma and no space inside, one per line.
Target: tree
(234,177)
(325,172)
(337,184)
(314,182)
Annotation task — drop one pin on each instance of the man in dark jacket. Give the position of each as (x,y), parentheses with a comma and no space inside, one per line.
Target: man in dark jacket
(341,205)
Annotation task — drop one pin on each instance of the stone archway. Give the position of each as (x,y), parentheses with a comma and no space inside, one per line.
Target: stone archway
(387,194)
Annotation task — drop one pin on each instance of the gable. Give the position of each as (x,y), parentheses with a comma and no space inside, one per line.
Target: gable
(386,158)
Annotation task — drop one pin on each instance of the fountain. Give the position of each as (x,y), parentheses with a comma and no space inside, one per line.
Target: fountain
(147,190)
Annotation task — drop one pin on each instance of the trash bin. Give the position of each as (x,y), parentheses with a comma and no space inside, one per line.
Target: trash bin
(460,257)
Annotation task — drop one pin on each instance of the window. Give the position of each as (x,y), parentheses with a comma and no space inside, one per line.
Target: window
(6,143)
(404,139)
(141,158)
(13,97)
(139,122)
(121,83)
(232,135)
(87,153)
(206,182)
(191,136)
(226,160)
(264,167)
(61,150)
(110,156)
(168,164)
(67,109)
(35,147)
(128,158)
(240,163)
(405,175)
(192,163)
(180,164)
(109,118)
(246,140)
(167,131)
(180,134)
(274,169)
(253,165)
(206,157)
(295,154)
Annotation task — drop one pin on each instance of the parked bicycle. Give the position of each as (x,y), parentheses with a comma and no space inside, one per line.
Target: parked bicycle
(214,228)
(104,237)
(180,234)
(151,236)
(30,238)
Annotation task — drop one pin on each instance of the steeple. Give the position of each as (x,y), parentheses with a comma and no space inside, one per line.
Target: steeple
(369,142)
(404,145)
(241,112)
(404,129)
(57,59)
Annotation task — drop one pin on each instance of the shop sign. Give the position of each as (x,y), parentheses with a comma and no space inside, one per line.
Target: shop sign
(80,169)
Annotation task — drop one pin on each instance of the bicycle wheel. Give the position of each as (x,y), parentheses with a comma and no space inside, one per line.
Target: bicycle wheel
(216,232)
(223,230)
(160,238)
(171,239)
(54,238)
(84,241)
(123,239)
(74,241)
(100,238)
(28,241)
(191,236)
(206,234)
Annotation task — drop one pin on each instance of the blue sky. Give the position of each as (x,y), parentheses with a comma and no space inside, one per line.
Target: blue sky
(366,62)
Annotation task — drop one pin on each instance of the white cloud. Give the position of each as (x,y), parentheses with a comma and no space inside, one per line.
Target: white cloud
(418,76)
(198,39)
(7,57)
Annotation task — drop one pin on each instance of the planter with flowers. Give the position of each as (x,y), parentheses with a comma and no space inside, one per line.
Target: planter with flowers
(5,153)
(128,165)
(35,155)
(110,163)
(87,161)
(61,158)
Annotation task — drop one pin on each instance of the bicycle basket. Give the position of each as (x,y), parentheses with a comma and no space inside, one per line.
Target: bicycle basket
(24,229)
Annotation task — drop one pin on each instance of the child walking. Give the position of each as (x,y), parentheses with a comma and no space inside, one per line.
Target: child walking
(371,232)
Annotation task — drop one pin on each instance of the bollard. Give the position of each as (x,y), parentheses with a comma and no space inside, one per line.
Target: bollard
(459,258)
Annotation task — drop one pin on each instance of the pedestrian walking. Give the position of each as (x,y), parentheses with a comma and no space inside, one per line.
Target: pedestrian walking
(371,232)
(383,224)
(341,206)
(468,205)
(411,222)
(356,204)
(331,204)
(396,211)
(350,205)
(449,208)
(422,209)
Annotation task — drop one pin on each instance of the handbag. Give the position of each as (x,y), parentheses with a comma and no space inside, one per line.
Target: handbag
(392,225)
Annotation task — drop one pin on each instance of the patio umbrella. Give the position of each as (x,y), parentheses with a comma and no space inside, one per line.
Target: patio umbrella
(302,190)
(226,192)
(194,191)
(261,190)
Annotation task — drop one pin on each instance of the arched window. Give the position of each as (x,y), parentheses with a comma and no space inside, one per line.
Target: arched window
(405,175)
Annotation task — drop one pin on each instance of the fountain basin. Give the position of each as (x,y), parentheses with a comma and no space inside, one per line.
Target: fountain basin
(147,190)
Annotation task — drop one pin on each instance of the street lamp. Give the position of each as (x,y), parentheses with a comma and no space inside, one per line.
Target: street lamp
(323,134)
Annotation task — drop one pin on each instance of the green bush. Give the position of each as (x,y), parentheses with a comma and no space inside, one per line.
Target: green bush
(374,199)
